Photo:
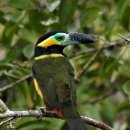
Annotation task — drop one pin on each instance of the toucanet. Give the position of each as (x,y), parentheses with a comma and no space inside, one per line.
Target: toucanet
(54,75)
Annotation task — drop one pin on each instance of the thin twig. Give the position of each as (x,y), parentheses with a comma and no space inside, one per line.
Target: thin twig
(126,39)
(3,106)
(89,51)
(86,65)
(15,83)
(8,120)
(10,75)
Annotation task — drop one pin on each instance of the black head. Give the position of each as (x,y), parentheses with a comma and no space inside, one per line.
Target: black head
(55,41)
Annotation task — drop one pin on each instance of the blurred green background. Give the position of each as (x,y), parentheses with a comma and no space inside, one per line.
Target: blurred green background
(104,88)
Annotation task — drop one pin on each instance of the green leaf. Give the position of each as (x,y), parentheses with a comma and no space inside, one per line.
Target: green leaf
(105,109)
(2,20)
(15,17)
(50,21)
(109,65)
(114,19)
(126,87)
(124,70)
(125,15)
(35,21)
(28,35)
(8,32)
(51,6)
(28,51)
(110,25)
(34,124)
(15,52)
(21,4)
(67,10)
(12,25)
(89,14)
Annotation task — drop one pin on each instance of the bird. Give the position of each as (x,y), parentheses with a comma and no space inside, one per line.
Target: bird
(53,75)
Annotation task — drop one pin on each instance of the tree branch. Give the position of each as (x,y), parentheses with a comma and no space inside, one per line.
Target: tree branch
(3,106)
(97,124)
(107,46)
(10,115)
(96,52)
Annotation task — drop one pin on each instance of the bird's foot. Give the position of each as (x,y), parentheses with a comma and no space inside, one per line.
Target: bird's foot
(42,112)
(42,109)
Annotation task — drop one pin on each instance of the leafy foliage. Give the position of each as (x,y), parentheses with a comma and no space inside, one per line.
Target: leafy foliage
(103,90)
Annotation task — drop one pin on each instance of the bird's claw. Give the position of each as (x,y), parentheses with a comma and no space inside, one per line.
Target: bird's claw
(42,111)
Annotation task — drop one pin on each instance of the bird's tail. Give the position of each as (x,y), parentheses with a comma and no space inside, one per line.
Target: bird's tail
(73,118)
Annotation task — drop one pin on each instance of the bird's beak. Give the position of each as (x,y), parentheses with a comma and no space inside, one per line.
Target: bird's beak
(78,38)
(47,42)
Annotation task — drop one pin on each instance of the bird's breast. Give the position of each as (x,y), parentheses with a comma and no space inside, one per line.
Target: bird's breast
(53,67)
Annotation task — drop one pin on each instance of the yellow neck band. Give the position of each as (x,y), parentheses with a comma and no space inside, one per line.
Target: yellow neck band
(47,56)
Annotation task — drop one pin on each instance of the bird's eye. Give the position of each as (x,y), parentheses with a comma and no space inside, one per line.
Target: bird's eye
(60,37)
